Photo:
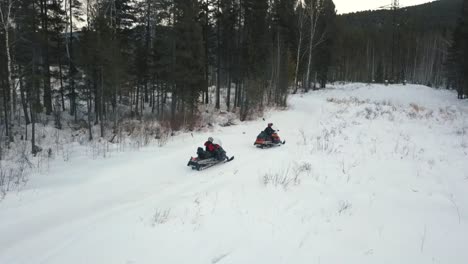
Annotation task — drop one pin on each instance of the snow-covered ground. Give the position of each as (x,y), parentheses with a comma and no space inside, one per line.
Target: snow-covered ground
(369,174)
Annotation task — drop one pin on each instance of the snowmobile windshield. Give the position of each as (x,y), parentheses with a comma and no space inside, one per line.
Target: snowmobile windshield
(218,142)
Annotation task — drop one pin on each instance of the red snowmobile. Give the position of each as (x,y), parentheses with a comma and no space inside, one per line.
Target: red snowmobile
(265,141)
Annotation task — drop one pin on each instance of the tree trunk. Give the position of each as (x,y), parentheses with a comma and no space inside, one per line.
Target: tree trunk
(218,66)
(313,23)
(228,99)
(47,96)
(236,91)
(298,58)
(70,64)
(5,16)
(62,97)
(137,100)
(298,54)
(24,102)
(89,106)
(101,105)
(32,105)
(5,110)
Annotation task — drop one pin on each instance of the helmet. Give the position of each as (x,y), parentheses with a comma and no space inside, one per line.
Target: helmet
(210,139)
(270,124)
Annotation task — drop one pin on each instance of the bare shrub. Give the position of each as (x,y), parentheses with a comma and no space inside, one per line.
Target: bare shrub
(303,167)
(325,142)
(346,169)
(13,173)
(163,133)
(447,113)
(177,122)
(67,152)
(370,113)
(374,110)
(193,121)
(462,132)
(147,131)
(280,179)
(299,169)
(231,121)
(160,217)
(347,101)
(277,179)
(303,136)
(402,145)
(251,113)
(417,108)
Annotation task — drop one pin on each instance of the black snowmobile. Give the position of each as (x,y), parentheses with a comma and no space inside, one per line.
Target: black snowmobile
(205,159)
(264,141)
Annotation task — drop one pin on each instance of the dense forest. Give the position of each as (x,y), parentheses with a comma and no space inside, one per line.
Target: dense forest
(396,45)
(97,63)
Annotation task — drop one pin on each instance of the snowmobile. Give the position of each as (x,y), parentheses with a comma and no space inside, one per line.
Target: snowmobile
(264,141)
(205,160)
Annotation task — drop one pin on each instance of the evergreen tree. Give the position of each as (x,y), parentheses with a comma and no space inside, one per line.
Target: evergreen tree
(133,54)
(189,52)
(364,39)
(326,24)
(283,36)
(74,15)
(458,55)
(255,54)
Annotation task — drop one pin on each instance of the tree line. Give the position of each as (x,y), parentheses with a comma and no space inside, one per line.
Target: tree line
(457,61)
(99,62)
(408,44)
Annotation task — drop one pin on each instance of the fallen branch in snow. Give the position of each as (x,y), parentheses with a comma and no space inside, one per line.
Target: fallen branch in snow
(219,258)
(344,205)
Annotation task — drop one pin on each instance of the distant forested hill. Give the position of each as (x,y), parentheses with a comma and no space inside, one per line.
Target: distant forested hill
(365,42)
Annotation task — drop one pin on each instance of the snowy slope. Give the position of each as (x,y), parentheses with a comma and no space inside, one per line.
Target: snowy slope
(369,174)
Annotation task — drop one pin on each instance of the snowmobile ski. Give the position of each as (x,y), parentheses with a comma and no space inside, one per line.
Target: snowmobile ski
(200,165)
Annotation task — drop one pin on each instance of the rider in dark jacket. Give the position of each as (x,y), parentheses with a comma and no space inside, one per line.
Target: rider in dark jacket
(269,130)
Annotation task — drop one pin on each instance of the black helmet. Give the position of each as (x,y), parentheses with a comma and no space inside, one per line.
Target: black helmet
(270,124)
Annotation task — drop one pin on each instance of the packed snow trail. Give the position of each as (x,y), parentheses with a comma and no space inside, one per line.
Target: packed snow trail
(370,174)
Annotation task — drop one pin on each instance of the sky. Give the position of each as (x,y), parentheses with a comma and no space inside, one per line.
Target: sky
(347,6)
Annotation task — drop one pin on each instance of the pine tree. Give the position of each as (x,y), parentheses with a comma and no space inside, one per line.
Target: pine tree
(283,36)
(255,54)
(189,67)
(74,14)
(380,75)
(57,24)
(326,28)
(27,56)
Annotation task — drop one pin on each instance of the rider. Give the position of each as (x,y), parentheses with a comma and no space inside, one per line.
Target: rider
(210,146)
(269,131)
(214,150)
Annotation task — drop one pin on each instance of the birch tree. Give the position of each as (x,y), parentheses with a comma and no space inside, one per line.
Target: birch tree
(301,19)
(6,16)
